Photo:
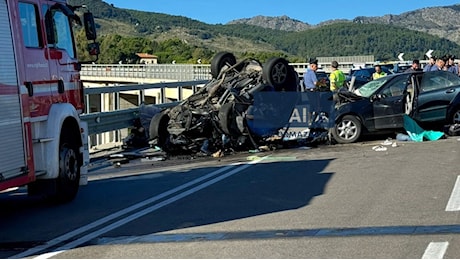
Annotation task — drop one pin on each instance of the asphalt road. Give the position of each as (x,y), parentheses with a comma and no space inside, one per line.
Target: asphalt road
(339,201)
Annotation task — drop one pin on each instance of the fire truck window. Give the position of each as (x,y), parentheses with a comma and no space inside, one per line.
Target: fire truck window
(63,33)
(29,23)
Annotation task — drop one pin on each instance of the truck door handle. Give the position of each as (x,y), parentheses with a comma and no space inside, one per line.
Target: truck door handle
(61,87)
(450,91)
(30,88)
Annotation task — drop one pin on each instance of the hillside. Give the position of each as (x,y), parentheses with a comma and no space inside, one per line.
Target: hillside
(184,39)
(438,21)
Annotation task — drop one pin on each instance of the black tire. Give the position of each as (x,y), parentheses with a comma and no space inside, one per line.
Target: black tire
(293,82)
(455,119)
(158,128)
(225,119)
(276,72)
(69,174)
(220,60)
(347,130)
(65,187)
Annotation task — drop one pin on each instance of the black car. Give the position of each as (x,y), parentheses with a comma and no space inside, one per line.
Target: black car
(363,75)
(219,114)
(428,97)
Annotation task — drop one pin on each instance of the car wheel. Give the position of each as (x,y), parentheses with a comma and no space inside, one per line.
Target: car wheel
(293,81)
(159,128)
(276,72)
(347,130)
(221,60)
(226,120)
(456,116)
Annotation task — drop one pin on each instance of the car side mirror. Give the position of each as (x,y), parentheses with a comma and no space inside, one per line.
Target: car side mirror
(378,97)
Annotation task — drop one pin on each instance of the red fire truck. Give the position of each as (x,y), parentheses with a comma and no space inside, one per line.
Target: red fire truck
(43,142)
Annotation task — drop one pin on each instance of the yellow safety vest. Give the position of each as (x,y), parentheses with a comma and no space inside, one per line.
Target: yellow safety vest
(378,75)
(337,79)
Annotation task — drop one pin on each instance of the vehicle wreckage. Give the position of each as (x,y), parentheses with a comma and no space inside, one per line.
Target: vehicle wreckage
(245,106)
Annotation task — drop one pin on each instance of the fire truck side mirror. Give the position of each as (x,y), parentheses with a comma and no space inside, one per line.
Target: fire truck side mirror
(90,26)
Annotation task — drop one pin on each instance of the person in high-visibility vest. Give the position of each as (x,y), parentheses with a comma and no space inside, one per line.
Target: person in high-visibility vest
(336,78)
(378,72)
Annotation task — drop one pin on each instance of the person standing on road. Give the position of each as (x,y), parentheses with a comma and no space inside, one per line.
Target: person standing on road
(336,78)
(439,65)
(378,72)
(415,66)
(309,79)
(451,66)
(431,64)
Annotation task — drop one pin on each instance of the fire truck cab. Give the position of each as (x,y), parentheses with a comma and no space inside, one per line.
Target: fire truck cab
(43,142)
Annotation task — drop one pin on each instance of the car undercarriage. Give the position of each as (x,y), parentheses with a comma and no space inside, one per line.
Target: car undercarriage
(225,113)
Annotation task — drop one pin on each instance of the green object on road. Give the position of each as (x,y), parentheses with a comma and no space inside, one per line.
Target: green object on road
(418,134)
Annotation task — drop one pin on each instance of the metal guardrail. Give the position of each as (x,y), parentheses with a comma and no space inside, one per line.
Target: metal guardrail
(105,122)
(101,122)
(109,121)
(115,120)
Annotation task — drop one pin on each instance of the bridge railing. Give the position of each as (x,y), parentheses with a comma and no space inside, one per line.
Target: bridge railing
(109,127)
(181,72)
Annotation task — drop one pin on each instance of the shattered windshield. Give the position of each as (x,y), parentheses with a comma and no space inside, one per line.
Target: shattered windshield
(369,88)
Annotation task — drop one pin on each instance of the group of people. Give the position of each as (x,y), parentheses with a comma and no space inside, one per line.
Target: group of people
(446,62)
(337,78)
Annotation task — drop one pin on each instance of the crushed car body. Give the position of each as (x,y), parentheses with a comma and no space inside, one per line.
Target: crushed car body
(244,106)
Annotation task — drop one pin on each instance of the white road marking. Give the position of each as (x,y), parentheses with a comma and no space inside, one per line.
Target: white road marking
(435,250)
(48,255)
(148,210)
(131,209)
(454,201)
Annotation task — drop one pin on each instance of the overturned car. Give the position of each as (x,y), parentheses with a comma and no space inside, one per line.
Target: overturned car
(222,114)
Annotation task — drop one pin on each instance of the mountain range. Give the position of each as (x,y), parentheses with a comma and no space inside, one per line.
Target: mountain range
(438,21)
(412,33)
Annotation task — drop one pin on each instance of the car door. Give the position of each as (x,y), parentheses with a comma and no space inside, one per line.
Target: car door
(389,103)
(437,90)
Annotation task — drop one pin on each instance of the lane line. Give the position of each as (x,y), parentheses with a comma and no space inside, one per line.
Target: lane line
(115,215)
(283,233)
(435,250)
(146,211)
(454,201)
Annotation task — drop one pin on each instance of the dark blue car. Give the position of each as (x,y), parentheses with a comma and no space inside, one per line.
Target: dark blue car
(379,105)
(363,75)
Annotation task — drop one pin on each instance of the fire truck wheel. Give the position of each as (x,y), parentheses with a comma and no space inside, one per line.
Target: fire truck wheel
(69,174)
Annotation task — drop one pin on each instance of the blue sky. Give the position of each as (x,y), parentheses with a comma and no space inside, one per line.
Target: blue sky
(308,11)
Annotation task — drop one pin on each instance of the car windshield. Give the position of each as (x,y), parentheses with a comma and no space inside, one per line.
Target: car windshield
(370,87)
